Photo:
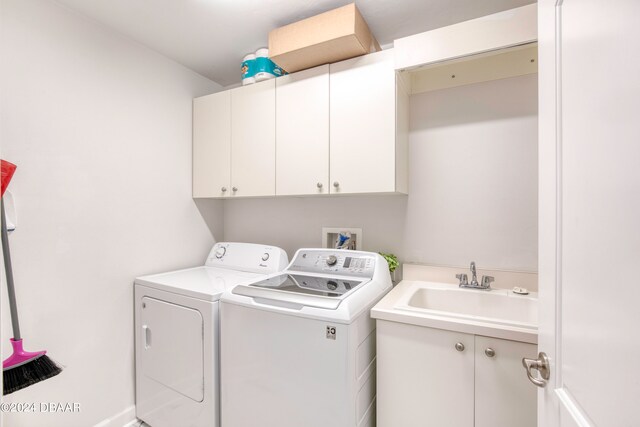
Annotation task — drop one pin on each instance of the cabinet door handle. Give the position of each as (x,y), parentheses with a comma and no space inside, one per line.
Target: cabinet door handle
(541,364)
(235,189)
(489,352)
(223,189)
(319,185)
(336,184)
(459,346)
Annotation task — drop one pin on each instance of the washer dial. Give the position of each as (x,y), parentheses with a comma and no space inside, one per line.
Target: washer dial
(220,252)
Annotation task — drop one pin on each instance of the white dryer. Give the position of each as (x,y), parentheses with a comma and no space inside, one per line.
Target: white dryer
(298,348)
(177,333)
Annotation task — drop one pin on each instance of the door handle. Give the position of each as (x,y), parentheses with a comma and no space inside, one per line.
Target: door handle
(147,336)
(541,364)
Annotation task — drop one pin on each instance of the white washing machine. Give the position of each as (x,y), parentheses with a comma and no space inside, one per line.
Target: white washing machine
(177,333)
(298,348)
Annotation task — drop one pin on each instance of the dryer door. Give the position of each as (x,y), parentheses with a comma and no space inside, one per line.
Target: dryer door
(172,347)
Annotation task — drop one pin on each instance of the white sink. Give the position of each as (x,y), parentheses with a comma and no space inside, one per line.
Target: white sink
(500,306)
(499,312)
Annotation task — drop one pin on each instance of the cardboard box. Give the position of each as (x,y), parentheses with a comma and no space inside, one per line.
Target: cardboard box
(332,36)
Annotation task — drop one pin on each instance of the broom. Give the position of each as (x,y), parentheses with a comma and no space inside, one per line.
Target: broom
(22,368)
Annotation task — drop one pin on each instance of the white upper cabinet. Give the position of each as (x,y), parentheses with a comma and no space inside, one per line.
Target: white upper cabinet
(302,132)
(334,129)
(343,128)
(253,139)
(365,154)
(212,145)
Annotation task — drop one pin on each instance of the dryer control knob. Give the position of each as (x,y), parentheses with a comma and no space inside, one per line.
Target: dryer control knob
(331,260)
(265,256)
(220,252)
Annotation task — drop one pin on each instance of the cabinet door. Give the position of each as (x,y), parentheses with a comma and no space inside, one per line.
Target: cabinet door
(422,379)
(504,396)
(302,132)
(362,124)
(253,139)
(212,145)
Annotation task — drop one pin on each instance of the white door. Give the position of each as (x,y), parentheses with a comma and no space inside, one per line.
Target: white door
(363,124)
(212,145)
(302,132)
(253,139)
(590,212)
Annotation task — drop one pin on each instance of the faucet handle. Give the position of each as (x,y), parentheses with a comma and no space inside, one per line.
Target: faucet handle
(464,280)
(487,280)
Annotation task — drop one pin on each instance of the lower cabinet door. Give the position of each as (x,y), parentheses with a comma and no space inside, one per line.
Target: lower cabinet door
(425,377)
(503,395)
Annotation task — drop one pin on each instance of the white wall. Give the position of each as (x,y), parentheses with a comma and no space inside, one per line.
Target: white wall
(473,187)
(100,129)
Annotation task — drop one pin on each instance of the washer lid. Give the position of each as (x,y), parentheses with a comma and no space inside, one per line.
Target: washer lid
(305,290)
(206,283)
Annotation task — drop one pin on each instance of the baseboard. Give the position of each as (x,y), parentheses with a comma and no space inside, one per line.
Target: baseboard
(125,418)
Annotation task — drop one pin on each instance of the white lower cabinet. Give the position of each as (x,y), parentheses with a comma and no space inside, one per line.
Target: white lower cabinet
(434,377)
(422,379)
(504,395)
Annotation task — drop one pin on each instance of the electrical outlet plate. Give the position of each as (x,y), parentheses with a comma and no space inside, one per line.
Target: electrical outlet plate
(330,234)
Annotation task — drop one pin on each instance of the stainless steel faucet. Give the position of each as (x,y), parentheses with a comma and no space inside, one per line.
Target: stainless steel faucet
(484,284)
(474,277)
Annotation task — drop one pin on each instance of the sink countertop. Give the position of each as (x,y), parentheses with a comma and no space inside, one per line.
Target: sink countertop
(407,302)
(505,279)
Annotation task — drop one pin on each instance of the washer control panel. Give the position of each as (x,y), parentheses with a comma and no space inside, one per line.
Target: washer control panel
(247,257)
(343,262)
